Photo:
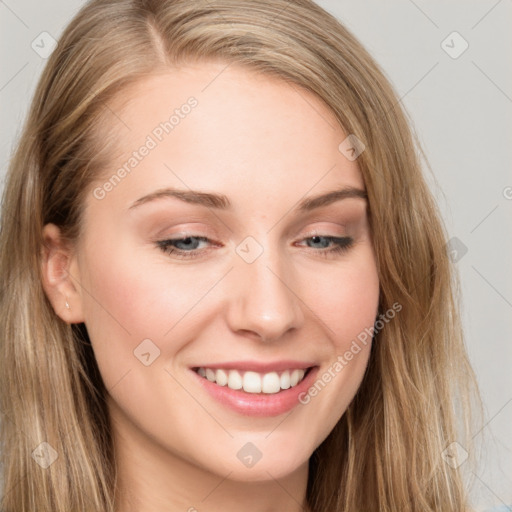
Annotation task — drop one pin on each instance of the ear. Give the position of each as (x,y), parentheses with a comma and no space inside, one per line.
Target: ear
(61,279)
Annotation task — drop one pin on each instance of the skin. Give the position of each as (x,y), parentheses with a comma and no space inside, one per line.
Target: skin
(265,145)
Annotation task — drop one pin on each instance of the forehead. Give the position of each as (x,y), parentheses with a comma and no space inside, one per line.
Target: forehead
(211,124)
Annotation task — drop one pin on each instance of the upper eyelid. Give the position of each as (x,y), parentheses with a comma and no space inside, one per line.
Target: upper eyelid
(210,232)
(212,238)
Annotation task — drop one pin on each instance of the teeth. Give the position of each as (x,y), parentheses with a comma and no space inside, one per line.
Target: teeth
(221,377)
(271,383)
(285,380)
(294,377)
(234,380)
(253,382)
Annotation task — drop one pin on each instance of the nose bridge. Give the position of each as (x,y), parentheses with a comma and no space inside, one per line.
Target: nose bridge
(263,299)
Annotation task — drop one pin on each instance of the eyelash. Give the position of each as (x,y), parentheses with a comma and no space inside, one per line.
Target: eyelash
(342,245)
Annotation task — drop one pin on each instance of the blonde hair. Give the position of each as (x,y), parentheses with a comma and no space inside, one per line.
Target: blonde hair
(385,454)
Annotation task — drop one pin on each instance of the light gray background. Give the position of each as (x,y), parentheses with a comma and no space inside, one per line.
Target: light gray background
(462,111)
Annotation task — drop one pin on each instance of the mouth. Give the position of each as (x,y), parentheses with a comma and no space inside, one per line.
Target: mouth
(254,382)
(253,389)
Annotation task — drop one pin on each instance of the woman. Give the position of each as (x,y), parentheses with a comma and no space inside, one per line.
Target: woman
(226,278)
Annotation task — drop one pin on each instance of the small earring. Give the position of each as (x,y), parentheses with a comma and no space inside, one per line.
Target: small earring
(67,305)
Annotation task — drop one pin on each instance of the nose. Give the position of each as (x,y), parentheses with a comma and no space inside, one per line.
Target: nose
(265,300)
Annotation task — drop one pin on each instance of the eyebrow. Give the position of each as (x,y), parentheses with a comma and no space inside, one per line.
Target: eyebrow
(221,202)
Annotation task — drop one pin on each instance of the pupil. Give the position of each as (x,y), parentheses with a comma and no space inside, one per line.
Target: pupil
(186,242)
(317,239)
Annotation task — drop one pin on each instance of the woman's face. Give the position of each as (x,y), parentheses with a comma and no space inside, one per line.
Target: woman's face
(267,282)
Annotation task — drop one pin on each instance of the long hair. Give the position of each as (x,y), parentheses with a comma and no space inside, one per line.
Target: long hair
(387,452)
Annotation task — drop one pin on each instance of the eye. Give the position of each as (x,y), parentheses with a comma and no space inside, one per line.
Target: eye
(189,246)
(340,244)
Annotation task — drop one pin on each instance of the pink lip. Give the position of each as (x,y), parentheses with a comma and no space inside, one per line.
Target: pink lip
(258,404)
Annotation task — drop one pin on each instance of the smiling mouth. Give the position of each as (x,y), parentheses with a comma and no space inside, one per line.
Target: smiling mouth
(254,382)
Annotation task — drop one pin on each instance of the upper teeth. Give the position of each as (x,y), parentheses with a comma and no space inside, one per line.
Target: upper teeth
(253,382)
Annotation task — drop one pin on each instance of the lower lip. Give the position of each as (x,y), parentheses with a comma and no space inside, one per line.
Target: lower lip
(256,404)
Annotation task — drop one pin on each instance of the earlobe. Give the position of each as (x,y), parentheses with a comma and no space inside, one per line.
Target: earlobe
(58,269)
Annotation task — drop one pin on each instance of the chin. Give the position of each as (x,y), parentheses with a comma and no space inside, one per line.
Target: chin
(272,460)
(264,472)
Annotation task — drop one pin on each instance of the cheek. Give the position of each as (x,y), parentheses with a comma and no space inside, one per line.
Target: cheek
(347,303)
(346,300)
(137,298)
(346,297)
(131,297)
(124,304)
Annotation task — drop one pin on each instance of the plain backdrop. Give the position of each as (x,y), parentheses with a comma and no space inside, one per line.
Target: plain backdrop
(450,65)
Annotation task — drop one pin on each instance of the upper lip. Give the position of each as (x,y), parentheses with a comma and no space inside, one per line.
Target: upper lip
(258,366)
